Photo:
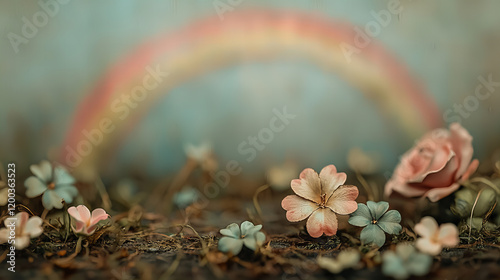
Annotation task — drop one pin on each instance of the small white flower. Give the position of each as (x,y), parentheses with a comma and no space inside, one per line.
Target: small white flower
(234,239)
(203,155)
(435,237)
(346,259)
(56,185)
(405,261)
(24,227)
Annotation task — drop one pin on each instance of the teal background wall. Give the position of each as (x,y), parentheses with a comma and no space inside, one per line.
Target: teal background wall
(446,45)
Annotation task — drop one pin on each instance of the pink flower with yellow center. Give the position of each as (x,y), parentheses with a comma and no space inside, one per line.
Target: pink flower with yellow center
(319,198)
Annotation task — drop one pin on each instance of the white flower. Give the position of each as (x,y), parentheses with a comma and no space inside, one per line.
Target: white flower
(203,155)
(24,228)
(56,185)
(234,239)
(405,261)
(346,259)
(435,237)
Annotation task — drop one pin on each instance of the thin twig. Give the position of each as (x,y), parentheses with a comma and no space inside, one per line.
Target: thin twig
(101,188)
(472,213)
(29,210)
(256,200)
(365,185)
(203,245)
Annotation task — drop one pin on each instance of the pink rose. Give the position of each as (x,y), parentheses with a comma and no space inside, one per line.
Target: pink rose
(436,165)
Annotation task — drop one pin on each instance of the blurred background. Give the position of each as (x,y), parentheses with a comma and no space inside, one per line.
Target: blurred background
(444,45)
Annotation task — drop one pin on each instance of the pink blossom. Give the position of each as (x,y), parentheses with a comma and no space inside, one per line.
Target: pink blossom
(319,198)
(24,228)
(435,237)
(85,222)
(436,165)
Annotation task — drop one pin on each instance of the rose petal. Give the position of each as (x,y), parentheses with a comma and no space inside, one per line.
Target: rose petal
(470,170)
(34,186)
(372,234)
(330,179)
(308,186)
(461,141)
(437,194)
(425,245)
(444,178)
(343,199)
(403,188)
(428,159)
(297,208)
(43,170)
(427,227)
(448,235)
(322,221)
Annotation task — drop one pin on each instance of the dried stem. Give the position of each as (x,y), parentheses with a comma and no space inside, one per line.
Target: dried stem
(106,201)
(256,200)
(369,191)
(472,213)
